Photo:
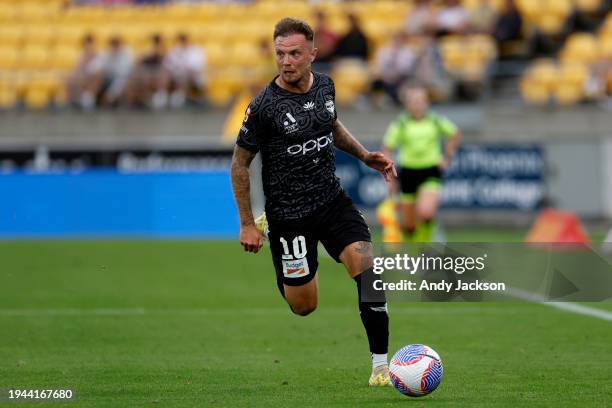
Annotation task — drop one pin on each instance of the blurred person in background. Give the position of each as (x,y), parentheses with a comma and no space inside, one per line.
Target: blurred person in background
(429,70)
(112,69)
(599,84)
(509,24)
(421,19)
(353,44)
(78,83)
(148,82)
(394,64)
(452,18)
(325,41)
(186,65)
(481,18)
(417,136)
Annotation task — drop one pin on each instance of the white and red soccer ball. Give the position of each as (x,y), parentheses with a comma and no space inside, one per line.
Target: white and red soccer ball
(416,370)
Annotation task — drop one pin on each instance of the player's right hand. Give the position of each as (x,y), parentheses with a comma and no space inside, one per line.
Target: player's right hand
(250,238)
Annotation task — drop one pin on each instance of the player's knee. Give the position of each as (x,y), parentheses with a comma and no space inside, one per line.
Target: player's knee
(304,308)
(408,227)
(427,214)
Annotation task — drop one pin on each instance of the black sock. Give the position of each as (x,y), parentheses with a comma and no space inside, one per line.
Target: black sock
(373,312)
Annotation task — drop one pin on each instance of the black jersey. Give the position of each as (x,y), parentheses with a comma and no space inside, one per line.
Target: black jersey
(293,133)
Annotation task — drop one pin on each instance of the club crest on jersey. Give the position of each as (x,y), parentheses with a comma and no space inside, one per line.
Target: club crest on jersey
(290,124)
(309,105)
(329,105)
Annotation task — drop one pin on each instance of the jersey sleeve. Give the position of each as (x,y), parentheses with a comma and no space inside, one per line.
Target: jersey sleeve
(447,128)
(333,90)
(392,135)
(251,131)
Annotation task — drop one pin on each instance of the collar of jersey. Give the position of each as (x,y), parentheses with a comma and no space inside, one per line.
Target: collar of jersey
(275,86)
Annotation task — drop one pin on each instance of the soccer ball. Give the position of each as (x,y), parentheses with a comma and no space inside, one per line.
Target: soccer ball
(416,370)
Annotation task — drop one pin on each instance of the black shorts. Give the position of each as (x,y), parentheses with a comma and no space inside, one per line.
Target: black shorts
(412,179)
(294,243)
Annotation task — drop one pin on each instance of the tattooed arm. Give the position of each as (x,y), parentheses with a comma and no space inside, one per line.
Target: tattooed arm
(250,237)
(376,160)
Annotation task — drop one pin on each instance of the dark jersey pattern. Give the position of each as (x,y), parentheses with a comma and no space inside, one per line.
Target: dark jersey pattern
(293,133)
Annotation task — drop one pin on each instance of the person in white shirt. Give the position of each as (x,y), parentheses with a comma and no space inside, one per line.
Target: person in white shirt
(393,65)
(112,70)
(186,64)
(452,18)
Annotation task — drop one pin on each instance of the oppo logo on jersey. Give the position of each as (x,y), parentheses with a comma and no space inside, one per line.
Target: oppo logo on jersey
(311,145)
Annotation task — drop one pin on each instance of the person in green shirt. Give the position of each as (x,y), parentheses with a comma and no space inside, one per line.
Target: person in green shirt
(425,143)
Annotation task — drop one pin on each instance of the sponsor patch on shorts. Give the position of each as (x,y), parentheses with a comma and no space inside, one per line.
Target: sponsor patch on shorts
(295,268)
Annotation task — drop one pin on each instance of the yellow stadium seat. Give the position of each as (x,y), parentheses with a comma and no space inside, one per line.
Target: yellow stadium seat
(605,46)
(8,93)
(64,58)
(581,47)
(70,34)
(34,57)
(352,75)
(530,9)
(41,35)
(37,98)
(573,73)
(9,58)
(588,6)
(7,13)
(243,54)
(11,35)
(567,94)
(533,92)
(606,27)
(219,95)
(544,73)
(550,23)
(215,54)
(561,8)
(453,50)
(484,46)
(39,90)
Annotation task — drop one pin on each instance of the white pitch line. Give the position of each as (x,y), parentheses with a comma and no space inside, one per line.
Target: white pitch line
(412,310)
(566,306)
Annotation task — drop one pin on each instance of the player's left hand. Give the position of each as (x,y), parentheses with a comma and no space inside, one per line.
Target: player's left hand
(378,161)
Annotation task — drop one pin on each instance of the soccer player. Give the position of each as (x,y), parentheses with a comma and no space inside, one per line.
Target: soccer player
(293,124)
(418,134)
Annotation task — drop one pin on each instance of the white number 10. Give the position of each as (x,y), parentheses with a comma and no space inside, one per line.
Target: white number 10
(299,247)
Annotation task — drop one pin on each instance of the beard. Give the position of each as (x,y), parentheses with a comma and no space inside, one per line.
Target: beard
(293,78)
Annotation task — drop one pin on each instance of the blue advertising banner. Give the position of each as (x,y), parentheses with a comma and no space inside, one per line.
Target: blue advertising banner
(108,203)
(481,176)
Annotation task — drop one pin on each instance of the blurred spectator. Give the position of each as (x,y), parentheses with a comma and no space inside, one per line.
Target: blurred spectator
(599,85)
(148,82)
(325,41)
(78,84)
(429,70)
(481,18)
(421,19)
(112,72)
(452,18)
(508,26)
(354,44)
(266,69)
(393,65)
(186,64)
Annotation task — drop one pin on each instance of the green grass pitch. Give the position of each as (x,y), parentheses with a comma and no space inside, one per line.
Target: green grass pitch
(200,323)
